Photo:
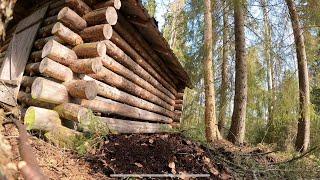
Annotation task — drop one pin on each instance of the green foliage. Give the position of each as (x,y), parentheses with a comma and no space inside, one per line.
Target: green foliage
(151,6)
(95,132)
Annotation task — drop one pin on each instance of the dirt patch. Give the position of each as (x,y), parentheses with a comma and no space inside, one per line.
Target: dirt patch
(154,154)
(55,162)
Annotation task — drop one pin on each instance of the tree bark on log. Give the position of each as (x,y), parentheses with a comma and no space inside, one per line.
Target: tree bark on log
(59,53)
(97,33)
(178,107)
(45,31)
(36,56)
(66,34)
(55,11)
(39,44)
(124,46)
(32,68)
(90,50)
(55,70)
(128,32)
(49,91)
(115,3)
(79,6)
(116,67)
(107,106)
(119,126)
(87,66)
(26,98)
(74,112)
(124,59)
(123,97)
(71,19)
(82,89)
(27,81)
(101,16)
(50,20)
(114,79)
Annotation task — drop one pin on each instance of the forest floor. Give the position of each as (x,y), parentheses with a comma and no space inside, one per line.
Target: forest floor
(153,154)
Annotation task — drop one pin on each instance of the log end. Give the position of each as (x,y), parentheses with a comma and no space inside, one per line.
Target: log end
(101,49)
(29,118)
(111,16)
(107,31)
(36,88)
(62,13)
(47,48)
(117,4)
(91,91)
(97,65)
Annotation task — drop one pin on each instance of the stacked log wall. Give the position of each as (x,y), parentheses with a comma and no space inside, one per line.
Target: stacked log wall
(88,54)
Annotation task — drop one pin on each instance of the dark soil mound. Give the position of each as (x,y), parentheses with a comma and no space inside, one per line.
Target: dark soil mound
(155,154)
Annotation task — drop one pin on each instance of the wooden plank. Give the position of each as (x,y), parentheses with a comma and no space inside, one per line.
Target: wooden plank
(18,54)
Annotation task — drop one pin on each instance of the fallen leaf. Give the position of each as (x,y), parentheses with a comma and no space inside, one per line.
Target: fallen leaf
(139,165)
(172,165)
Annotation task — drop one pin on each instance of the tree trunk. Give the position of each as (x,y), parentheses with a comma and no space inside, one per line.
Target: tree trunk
(303,135)
(224,72)
(270,69)
(212,132)
(237,129)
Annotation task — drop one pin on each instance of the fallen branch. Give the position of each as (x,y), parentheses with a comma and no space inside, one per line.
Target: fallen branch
(29,166)
(298,157)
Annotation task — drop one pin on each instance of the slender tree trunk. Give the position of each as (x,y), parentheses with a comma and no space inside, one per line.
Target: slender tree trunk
(224,72)
(303,135)
(237,129)
(212,132)
(269,62)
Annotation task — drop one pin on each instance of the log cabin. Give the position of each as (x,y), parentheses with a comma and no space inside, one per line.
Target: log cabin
(64,58)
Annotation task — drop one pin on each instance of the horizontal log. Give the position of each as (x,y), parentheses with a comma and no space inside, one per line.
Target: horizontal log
(36,56)
(122,44)
(115,3)
(124,59)
(32,68)
(122,83)
(180,96)
(96,33)
(129,33)
(116,67)
(74,112)
(87,66)
(63,137)
(39,43)
(27,81)
(90,50)
(101,16)
(41,119)
(4,48)
(59,53)
(178,101)
(50,20)
(123,97)
(118,126)
(55,70)
(26,98)
(45,31)
(55,11)
(178,107)
(71,19)
(79,6)
(3,54)
(49,91)
(107,106)
(82,89)
(56,4)
(66,34)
